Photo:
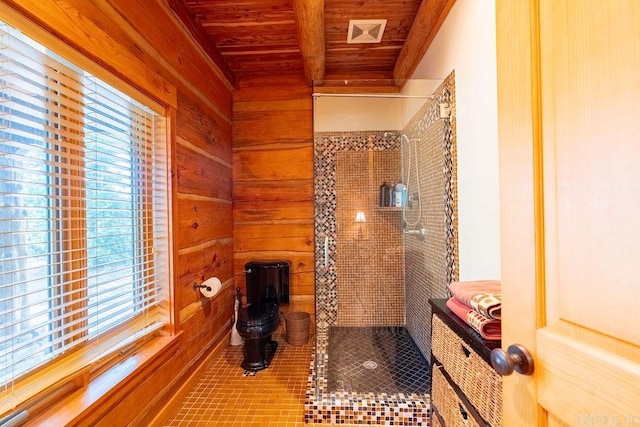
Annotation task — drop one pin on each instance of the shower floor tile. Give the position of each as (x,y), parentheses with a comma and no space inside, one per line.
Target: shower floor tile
(375,360)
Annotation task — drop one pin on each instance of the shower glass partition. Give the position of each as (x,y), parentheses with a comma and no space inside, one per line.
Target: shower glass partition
(372,315)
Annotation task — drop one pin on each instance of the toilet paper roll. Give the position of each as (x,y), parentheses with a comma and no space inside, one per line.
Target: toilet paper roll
(211,287)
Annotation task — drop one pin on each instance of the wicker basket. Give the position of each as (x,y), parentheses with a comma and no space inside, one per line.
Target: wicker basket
(478,380)
(297,324)
(452,410)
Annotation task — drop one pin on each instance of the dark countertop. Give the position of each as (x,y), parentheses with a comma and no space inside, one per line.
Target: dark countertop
(467,333)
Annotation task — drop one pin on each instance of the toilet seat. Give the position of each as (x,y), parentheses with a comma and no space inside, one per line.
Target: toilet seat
(258,319)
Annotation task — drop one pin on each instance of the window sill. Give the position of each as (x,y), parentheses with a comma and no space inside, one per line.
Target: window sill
(88,403)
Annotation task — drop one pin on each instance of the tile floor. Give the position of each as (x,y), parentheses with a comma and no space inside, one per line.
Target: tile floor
(225,397)
(382,360)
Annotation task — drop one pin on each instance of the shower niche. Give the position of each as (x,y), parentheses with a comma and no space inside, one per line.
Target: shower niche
(377,267)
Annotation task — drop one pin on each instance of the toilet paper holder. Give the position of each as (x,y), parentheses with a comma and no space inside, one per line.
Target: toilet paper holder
(209,288)
(203,286)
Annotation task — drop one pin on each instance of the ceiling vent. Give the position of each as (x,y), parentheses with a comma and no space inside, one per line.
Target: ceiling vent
(366,30)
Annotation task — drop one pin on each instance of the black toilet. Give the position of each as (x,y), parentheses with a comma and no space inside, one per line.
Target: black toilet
(267,289)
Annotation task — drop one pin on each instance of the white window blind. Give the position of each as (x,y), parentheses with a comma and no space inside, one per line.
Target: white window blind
(83,210)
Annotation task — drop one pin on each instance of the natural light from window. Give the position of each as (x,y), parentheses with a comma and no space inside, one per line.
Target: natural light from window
(83,210)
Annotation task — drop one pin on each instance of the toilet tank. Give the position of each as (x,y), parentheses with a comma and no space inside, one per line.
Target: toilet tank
(267,281)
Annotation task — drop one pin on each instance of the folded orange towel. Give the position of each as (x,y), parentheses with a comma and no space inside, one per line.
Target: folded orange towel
(489,329)
(484,296)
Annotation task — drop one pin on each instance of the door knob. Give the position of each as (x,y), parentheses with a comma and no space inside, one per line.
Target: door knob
(516,358)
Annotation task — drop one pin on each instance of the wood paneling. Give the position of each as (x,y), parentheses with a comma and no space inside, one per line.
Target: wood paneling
(195,29)
(168,42)
(253,37)
(285,190)
(273,179)
(284,125)
(202,176)
(199,263)
(273,164)
(294,211)
(208,132)
(309,37)
(201,219)
(272,88)
(144,44)
(85,33)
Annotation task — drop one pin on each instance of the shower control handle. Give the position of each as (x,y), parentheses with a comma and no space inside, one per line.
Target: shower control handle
(326,251)
(419,232)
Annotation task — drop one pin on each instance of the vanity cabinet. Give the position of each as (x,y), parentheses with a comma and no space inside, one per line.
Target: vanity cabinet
(465,389)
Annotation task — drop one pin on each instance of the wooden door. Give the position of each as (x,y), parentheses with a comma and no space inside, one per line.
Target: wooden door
(569,130)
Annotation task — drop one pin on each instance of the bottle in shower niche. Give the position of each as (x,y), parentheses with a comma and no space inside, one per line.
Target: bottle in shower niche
(392,194)
(384,195)
(400,195)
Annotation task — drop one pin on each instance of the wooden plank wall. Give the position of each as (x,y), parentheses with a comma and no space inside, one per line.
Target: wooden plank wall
(155,54)
(273,180)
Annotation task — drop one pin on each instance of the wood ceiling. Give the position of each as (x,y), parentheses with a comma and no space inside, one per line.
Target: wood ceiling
(309,37)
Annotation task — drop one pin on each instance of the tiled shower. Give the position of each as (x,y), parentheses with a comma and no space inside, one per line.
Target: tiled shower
(381,273)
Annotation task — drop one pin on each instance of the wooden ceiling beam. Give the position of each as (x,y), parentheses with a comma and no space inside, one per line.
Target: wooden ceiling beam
(310,26)
(426,24)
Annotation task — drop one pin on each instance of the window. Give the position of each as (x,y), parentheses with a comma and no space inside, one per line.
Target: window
(83,211)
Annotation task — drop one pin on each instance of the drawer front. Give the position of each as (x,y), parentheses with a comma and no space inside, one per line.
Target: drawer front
(478,381)
(452,410)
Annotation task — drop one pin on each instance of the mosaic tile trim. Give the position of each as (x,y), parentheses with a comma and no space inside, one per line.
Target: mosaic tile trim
(451,174)
(359,408)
